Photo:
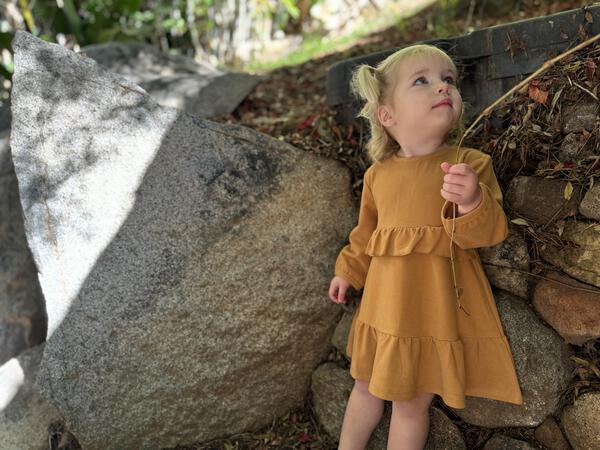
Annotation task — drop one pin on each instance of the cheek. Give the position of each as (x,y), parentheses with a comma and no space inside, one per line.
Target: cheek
(402,106)
(457,101)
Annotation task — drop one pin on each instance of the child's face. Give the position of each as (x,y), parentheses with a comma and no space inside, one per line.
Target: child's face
(413,116)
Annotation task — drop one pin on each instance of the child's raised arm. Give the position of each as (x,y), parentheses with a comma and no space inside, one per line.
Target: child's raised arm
(486,224)
(352,262)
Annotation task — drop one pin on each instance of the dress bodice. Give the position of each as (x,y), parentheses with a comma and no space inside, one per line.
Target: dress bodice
(402,211)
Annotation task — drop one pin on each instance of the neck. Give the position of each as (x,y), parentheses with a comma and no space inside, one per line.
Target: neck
(421,147)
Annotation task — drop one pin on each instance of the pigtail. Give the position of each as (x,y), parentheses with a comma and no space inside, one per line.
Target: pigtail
(368,84)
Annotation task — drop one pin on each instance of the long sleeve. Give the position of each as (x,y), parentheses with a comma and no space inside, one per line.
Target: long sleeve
(352,262)
(486,224)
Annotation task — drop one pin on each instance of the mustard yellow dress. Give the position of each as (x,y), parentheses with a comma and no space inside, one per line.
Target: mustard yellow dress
(408,334)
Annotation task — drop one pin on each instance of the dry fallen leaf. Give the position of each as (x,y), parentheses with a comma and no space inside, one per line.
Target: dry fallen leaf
(568,190)
(536,93)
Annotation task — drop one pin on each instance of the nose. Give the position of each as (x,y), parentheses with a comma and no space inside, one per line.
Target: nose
(443,87)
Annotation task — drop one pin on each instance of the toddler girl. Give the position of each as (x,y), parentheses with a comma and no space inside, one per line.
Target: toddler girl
(410,338)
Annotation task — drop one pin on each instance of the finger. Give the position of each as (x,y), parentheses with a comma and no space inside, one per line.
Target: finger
(453,188)
(461,168)
(455,178)
(342,295)
(451,196)
(336,293)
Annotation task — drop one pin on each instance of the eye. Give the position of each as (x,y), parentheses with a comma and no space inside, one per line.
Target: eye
(420,78)
(450,78)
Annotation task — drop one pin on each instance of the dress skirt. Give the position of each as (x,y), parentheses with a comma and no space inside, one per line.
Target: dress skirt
(408,335)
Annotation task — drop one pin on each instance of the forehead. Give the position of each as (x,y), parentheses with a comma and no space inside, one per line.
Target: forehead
(423,64)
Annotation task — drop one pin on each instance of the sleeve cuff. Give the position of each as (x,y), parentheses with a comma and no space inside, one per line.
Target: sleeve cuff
(355,282)
(473,217)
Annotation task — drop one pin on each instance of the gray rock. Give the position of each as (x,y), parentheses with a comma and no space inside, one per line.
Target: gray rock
(590,205)
(501,260)
(568,306)
(340,335)
(13,336)
(543,368)
(203,96)
(175,80)
(581,421)
(6,165)
(5,117)
(579,116)
(22,312)
(502,442)
(176,257)
(541,199)
(573,148)
(139,61)
(550,435)
(24,414)
(331,386)
(443,433)
(580,255)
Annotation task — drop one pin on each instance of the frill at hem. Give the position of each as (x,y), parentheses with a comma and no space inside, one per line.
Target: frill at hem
(402,240)
(399,368)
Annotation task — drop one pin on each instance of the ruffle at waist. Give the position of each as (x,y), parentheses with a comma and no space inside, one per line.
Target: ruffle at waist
(402,240)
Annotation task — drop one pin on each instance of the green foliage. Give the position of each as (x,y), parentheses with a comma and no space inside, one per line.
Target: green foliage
(176,24)
(291,8)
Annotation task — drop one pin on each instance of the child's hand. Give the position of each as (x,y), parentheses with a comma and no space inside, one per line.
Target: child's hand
(461,186)
(337,289)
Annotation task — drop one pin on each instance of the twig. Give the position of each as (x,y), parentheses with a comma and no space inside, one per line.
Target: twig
(527,272)
(586,90)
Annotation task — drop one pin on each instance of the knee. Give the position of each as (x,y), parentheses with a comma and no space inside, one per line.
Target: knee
(363,387)
(415,407)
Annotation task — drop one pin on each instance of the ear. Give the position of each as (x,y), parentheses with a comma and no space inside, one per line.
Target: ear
(385,116)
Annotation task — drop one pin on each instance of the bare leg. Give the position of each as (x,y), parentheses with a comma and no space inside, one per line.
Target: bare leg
(409,426)
(363,412)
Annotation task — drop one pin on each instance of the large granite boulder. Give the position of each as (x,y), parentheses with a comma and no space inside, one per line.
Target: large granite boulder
(184,263)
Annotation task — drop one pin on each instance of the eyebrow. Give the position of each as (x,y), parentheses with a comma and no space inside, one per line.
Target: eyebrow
(426,69)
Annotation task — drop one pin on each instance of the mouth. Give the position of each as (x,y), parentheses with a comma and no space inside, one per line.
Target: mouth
(445,102)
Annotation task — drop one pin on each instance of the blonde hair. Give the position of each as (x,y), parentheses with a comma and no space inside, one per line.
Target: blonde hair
(375,85)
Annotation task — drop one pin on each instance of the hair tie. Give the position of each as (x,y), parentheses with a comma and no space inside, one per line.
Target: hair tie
(373,71)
